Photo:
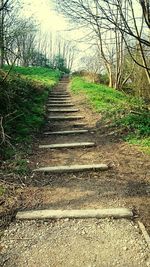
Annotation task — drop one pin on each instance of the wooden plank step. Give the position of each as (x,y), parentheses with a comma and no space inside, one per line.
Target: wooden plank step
(63,110)
(73,168)
(58,95)
(59,102)
(116,213)
(65,117)
(59,98)
(60,105)
(68,145)
(60,92)
(66,132)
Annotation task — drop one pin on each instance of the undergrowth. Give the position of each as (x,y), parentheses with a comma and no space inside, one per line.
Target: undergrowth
(22,110)
(124,111)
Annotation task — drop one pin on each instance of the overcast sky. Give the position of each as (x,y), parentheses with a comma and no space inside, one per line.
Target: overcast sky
(50,21)
(43,11)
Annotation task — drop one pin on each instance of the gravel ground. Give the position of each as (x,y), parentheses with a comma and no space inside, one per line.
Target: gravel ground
(76,243)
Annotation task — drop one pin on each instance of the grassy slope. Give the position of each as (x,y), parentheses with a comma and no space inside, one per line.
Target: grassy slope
(42,76)
(23,98)
(116,106)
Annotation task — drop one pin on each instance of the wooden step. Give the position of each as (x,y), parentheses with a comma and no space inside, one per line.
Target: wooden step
(59,95)
(59,92)
(68,145)
(59,102)
(65,118)
(58,98)
(73,168)
(116,213)
(66,132)
(62,110)
(60,105)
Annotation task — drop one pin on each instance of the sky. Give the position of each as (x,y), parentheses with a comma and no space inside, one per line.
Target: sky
(50,21)
(44,12)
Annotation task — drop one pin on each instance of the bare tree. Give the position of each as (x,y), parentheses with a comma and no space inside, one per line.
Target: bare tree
(109,42)
(118,17)
(1,33)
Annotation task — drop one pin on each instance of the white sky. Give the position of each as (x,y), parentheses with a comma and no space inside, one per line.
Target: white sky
(43,11)
(50,21)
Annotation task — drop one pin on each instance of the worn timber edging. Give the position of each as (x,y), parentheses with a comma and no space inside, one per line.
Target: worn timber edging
(65,117)
(68,145)
(89,213)
(62,110)
(66,132)
(72,168)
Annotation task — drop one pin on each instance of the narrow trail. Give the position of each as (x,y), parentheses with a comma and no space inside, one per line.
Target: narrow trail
(94,172)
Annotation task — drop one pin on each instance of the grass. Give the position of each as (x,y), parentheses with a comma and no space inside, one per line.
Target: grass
(23,98)
(116,106)
(42,76)
(2,191)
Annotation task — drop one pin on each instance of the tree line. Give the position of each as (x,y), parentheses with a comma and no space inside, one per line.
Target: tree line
(22,43)
(120,32)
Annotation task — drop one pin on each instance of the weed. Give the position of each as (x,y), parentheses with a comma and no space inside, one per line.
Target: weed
(22,167)
(2,191)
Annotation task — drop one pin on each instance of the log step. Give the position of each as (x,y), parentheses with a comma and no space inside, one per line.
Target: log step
(59,102)
(65,117)
(62,110)
(66,132)
(60,105)
(59,92)
(116,213)
(59,95)
(73,168)
(59,98)
(68,145)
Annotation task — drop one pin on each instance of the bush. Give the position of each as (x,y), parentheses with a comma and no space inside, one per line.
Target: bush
(22,98)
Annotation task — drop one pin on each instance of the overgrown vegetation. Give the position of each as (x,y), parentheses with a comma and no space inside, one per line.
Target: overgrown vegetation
(22,109)
(123,110)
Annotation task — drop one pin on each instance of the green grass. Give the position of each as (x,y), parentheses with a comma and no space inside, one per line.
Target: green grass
(143,143)
(2,191)
(43,76)
(116,107)
(102,98)
(23,97)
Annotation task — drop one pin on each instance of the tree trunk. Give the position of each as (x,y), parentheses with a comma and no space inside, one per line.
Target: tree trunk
(1,36)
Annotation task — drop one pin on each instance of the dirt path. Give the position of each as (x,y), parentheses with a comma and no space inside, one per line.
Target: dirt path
(83,243)
(126,184)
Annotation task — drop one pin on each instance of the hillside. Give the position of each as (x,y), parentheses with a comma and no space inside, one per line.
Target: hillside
(23,96)
(122,111)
